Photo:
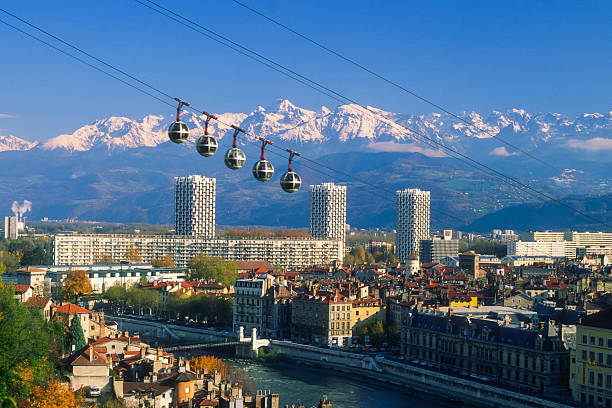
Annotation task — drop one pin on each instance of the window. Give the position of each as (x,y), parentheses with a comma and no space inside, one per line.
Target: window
(608,381)
(591,356)
(592,340)
(610,343)
(584,339)
(591,378)
(600,380)
(609,360)
(600,358)
(600,342)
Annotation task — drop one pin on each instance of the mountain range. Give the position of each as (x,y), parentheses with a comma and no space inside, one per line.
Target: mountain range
(121,169)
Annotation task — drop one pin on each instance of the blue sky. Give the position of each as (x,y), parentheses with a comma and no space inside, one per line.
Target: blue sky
(477,55)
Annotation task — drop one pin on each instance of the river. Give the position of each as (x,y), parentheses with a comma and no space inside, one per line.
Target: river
(297,383)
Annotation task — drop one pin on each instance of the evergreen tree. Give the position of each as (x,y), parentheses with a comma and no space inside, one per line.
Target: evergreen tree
(75,333)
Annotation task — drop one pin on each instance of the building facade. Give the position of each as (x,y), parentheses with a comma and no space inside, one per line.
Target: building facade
(11,227)
(103,277)
(591,365)
(194,206)
(248,302)
(328,212)
(412,222)
(85,249)
(322,319)
(535,248)
(436,249)
(526,355)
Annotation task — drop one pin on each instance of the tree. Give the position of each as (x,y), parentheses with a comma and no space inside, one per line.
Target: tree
(204,266)
(374,329)
(75,333)
(24,348)
(133,255)
(163,262)
(76,284)
(8,403)
(210,365)
(54,394)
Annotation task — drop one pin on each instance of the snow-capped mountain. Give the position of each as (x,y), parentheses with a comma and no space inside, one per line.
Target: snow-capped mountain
(67,177)
(353,127)
(11,143)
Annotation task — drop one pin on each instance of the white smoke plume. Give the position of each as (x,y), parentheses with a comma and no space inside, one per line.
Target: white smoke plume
(20,209)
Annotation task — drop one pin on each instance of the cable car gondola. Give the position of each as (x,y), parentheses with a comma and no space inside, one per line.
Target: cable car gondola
(178,131)
(291,181)
(263,169)
(207,145)
(234,157)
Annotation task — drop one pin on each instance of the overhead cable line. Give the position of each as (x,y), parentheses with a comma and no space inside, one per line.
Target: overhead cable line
(395,84)
(365,183)
(344,99)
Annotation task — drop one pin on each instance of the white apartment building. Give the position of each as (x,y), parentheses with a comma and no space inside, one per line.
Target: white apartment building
(248,303)
(412,223)
(86,249)
(194,206)
(577,243)
(328,212)
(533,248)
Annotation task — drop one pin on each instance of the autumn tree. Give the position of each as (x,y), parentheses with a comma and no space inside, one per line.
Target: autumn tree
(54,394)
(204,266)
(132,255)
(76,284)
(75,333)
(163,262)
(210,365)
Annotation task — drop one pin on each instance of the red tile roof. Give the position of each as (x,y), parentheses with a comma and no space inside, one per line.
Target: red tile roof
(38,301)
(90,355)
(70,308)
(21,288)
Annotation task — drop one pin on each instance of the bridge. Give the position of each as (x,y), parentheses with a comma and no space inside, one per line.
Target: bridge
(200,346)
(245,346)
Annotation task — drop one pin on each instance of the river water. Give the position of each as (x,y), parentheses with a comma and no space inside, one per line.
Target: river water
(297,383)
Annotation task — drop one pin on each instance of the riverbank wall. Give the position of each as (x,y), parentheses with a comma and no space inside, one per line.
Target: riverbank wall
(405,375)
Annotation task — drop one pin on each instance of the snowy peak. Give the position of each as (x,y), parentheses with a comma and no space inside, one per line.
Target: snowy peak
(13,143)
(112,133)
(350,127)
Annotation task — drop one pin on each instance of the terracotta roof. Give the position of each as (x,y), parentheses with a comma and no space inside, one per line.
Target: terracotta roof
(156,387)
(89,355)
(38,301)
(70,308)
(125,339)
(21,288)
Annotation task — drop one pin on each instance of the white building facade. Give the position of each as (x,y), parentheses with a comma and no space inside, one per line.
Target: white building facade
(328,212)
(536,248)
(194,206)
(85,249)
(412,222)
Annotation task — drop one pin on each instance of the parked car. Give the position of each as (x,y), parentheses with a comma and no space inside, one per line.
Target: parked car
(93,392)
